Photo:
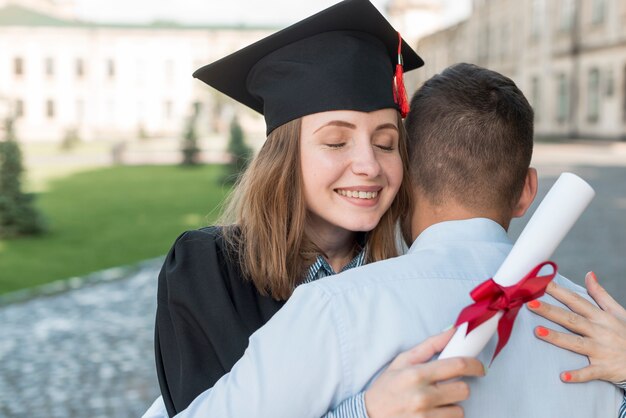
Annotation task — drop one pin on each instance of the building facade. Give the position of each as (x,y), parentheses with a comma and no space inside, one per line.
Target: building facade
(60,76)
(568,56)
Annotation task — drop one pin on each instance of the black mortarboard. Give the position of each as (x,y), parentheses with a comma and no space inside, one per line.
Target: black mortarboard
(341,58)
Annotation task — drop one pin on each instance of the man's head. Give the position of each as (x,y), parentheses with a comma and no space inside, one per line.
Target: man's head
(470,144)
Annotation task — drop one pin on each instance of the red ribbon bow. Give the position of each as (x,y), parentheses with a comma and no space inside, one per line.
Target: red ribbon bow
(490,298)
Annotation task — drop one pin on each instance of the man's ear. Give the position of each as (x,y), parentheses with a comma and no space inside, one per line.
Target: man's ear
(528,194)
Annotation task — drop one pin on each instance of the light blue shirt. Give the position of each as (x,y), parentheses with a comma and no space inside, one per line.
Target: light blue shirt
(336,334)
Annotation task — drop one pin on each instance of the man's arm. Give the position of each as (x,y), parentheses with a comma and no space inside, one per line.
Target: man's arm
(301,364)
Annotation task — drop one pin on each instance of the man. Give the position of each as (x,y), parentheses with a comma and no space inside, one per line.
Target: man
(470,146)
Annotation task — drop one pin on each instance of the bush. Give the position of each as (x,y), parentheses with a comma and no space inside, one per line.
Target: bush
(239,152)
(189,148)
(70,140)
(18,215)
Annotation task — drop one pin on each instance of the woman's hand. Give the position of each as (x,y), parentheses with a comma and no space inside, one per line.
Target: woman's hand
(601,332)
(410,387)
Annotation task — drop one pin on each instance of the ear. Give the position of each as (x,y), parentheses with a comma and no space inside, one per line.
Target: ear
(528,194)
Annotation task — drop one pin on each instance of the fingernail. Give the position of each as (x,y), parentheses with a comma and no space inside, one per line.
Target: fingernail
(449,327)
(566,377)
(593,276)
(485,368)
(534,304)
(542,332)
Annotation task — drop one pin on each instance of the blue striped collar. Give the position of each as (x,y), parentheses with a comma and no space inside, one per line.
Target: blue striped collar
(320,268)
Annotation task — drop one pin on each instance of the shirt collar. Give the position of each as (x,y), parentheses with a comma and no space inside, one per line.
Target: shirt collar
(467,230)
(320,268)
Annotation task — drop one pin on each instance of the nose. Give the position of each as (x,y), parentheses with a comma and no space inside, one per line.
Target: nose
(365,161)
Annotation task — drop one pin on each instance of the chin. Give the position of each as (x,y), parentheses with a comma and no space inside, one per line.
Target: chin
(364,226)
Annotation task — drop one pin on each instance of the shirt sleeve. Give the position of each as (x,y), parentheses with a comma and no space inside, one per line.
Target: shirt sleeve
(293,366)
(156,410)
(353,407)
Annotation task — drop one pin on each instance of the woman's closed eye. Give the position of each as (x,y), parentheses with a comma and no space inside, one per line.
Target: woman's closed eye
(335,145)
(385,147)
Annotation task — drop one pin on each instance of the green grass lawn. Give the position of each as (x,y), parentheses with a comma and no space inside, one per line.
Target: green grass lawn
(110,217)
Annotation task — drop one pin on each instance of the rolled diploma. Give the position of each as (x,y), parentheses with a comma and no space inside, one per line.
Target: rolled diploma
(555,216)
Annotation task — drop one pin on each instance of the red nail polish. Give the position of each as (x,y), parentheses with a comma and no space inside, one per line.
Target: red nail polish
(542,332)
(567,376)
(534,304)
(593,276)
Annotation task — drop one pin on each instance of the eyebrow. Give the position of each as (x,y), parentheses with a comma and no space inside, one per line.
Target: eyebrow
(386,126)
(344,124)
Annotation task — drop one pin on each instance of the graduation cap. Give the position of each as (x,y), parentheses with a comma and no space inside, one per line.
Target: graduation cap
(341,58)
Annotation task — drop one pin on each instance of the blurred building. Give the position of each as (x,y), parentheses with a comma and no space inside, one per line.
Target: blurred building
(60,76)
(568,56)
(415,18)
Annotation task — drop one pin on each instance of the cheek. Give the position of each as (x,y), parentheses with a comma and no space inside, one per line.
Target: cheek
(393,170)
(315,174)
(319,167)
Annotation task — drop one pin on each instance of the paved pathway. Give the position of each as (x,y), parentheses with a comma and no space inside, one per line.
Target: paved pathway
(88,352)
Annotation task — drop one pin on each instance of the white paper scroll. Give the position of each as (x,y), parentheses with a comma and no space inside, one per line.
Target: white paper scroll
(560,209)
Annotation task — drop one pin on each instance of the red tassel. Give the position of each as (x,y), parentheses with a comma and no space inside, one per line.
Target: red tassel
(399,91)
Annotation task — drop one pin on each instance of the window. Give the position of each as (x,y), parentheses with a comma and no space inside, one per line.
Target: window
(562,99)
(593,95)
(167,109)
(110,68)
(80,68)
(535,91)
(49,109)
(624,95)
(504,41)
(598,11)
(536,19)
(19,108)
(608,83)
(483,44)
(18,66)
(49,64)
(567,14)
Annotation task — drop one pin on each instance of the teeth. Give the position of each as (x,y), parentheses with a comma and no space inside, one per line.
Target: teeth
(358,194)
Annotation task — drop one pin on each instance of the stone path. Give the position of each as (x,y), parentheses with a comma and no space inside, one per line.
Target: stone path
(84,353)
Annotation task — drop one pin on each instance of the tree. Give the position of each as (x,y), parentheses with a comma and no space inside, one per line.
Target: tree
(190,150)
(18,215)
(239,152)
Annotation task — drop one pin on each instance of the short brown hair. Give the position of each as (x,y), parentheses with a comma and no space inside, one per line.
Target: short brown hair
(268,210)
(471,138)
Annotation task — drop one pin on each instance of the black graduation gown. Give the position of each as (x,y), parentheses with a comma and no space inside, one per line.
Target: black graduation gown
(206,312)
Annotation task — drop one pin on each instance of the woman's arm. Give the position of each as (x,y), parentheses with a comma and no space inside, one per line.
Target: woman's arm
(405,390)
(186,360)
(410,386)
(205,314)
(601,331)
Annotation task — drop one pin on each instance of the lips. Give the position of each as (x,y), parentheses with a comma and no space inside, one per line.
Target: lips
(358,194)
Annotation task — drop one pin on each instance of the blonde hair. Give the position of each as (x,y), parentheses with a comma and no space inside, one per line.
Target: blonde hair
(267,216)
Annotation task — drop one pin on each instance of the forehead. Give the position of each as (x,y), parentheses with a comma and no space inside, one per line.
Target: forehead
(360,120)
